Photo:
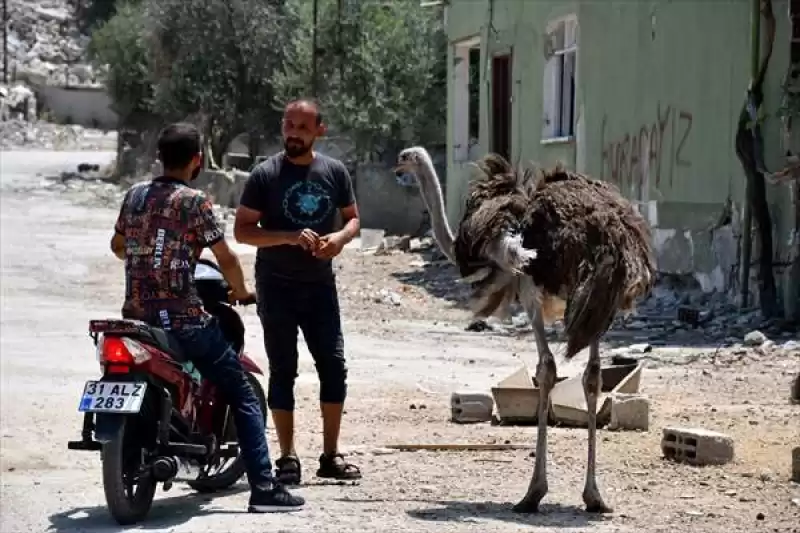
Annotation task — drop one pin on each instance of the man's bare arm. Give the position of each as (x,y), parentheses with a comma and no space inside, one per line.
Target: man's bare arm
(118,245)
(246,230)
(231,268)
(352,222)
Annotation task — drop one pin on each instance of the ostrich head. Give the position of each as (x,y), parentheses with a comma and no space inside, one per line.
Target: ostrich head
(417,161)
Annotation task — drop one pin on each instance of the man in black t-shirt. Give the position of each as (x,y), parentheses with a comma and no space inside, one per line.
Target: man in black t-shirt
(289,210)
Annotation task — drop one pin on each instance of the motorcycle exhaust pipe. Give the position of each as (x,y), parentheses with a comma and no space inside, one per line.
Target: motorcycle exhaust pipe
(174,469)
(164,468)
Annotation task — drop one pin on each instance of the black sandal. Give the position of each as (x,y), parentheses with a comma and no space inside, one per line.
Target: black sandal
(335,467)
(288,470)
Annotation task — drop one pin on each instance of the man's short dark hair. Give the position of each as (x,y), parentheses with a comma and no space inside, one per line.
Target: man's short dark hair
(310,102)
(177,144)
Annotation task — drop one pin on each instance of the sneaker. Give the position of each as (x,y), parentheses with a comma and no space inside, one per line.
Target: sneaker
(275,500)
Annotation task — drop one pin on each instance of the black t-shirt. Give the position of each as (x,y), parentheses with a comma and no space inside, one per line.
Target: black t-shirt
(292,197)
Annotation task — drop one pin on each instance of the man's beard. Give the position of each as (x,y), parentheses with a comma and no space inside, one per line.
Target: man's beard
(296,149)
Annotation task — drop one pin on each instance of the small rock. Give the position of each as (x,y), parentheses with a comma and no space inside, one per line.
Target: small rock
(640,348)
(760,516)
(755,338)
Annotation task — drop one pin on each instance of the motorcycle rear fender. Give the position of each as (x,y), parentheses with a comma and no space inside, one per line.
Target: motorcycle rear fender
(107,426)
(250,365)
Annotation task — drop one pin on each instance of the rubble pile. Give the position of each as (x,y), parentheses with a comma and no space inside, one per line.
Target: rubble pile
(45,45)
(40,135)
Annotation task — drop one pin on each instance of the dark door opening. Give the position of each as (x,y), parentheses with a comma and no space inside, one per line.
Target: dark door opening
(501,105)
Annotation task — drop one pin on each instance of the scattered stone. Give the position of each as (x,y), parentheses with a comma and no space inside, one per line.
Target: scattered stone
(629,412)
(791,346)
(388,297)
(760,516)
(640,348)
(755,338)
(478,326)
(696,446)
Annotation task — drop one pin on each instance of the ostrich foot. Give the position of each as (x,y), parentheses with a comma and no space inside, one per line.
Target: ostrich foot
(594,502)
(530,503)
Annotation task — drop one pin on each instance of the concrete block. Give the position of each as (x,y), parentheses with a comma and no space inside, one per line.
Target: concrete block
(796,464)
(696,446)
(629,412)
(471,407)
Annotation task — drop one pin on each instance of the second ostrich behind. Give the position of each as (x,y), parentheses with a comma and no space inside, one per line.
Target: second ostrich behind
(564,246)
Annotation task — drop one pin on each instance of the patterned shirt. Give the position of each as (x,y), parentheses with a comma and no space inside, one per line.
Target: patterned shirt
(166,224)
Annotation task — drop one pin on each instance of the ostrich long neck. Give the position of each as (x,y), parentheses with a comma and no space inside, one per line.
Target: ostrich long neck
(432,196)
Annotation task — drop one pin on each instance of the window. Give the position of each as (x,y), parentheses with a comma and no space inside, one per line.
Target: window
(561,50)
(466,99)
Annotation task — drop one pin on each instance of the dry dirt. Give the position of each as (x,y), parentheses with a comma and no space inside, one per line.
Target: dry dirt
(57,273)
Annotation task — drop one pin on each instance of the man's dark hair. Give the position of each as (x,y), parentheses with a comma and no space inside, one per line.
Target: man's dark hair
(177,144)
(310,102)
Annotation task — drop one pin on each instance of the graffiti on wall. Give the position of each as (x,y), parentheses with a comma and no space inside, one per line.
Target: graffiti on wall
(649,153)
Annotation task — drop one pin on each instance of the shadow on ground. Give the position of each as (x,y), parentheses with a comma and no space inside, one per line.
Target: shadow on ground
(166,513)
(552,515)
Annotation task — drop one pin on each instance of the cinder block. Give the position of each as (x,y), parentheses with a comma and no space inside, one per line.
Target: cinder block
(796,464)
(696,446)
(471,407)
(629,412)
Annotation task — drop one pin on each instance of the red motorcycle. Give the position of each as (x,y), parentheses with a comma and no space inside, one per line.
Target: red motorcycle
(153,417)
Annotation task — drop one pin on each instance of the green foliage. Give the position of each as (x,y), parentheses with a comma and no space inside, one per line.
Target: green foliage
(218,57)
(382,65)
(382,71)
(94,13)
(121,45)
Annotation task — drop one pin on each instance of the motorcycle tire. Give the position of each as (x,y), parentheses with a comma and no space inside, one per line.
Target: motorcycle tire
(125,510)
(228,477)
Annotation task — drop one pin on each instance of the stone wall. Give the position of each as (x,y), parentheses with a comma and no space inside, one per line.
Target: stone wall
(86,106)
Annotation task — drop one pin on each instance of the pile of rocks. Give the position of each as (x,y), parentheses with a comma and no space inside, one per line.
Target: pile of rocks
(20,134)
(45,45)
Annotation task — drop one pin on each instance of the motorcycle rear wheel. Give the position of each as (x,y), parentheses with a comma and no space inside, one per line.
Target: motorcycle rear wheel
(227,477)
(127,483)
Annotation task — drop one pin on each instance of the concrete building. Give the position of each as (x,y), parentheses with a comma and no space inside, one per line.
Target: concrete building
(643,93)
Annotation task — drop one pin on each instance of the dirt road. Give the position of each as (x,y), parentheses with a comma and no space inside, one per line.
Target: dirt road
(57,274)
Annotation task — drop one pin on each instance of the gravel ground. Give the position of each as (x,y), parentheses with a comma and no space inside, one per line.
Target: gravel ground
(407,346)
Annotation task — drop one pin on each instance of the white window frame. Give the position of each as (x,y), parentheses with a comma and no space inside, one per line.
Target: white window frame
(558,100)
(462,143)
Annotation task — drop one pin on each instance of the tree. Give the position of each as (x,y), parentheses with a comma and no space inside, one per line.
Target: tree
(383,66)
(218,58)
(92,14)
(119,45)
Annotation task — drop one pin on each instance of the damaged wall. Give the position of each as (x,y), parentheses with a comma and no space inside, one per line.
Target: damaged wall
(658,90)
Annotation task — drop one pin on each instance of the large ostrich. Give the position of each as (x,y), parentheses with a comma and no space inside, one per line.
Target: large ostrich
(564,246)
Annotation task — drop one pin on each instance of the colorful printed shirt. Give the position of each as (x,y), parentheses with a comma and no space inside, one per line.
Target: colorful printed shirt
(166,224)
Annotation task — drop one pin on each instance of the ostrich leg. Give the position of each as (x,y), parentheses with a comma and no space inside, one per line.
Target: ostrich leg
(592,381)
(546,379)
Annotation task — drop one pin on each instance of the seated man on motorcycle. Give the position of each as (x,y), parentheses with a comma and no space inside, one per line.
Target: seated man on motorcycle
(163,226)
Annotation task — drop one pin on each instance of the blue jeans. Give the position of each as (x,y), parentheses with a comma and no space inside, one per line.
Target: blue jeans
(285,306)
(213,356)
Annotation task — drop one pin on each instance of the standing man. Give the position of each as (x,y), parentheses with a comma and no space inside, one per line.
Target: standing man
(161,229)
(288,210)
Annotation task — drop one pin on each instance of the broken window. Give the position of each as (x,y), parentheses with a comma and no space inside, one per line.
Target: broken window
(561,50)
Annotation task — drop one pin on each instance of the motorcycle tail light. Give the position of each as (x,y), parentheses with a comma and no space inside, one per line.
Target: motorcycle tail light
(123,351)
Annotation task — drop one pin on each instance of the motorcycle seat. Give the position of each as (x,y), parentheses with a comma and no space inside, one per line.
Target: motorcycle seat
(143,332)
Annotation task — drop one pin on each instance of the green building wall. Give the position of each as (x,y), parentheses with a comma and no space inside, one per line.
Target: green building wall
(659,87)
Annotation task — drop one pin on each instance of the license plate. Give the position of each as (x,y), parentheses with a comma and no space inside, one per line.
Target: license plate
(112,397)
